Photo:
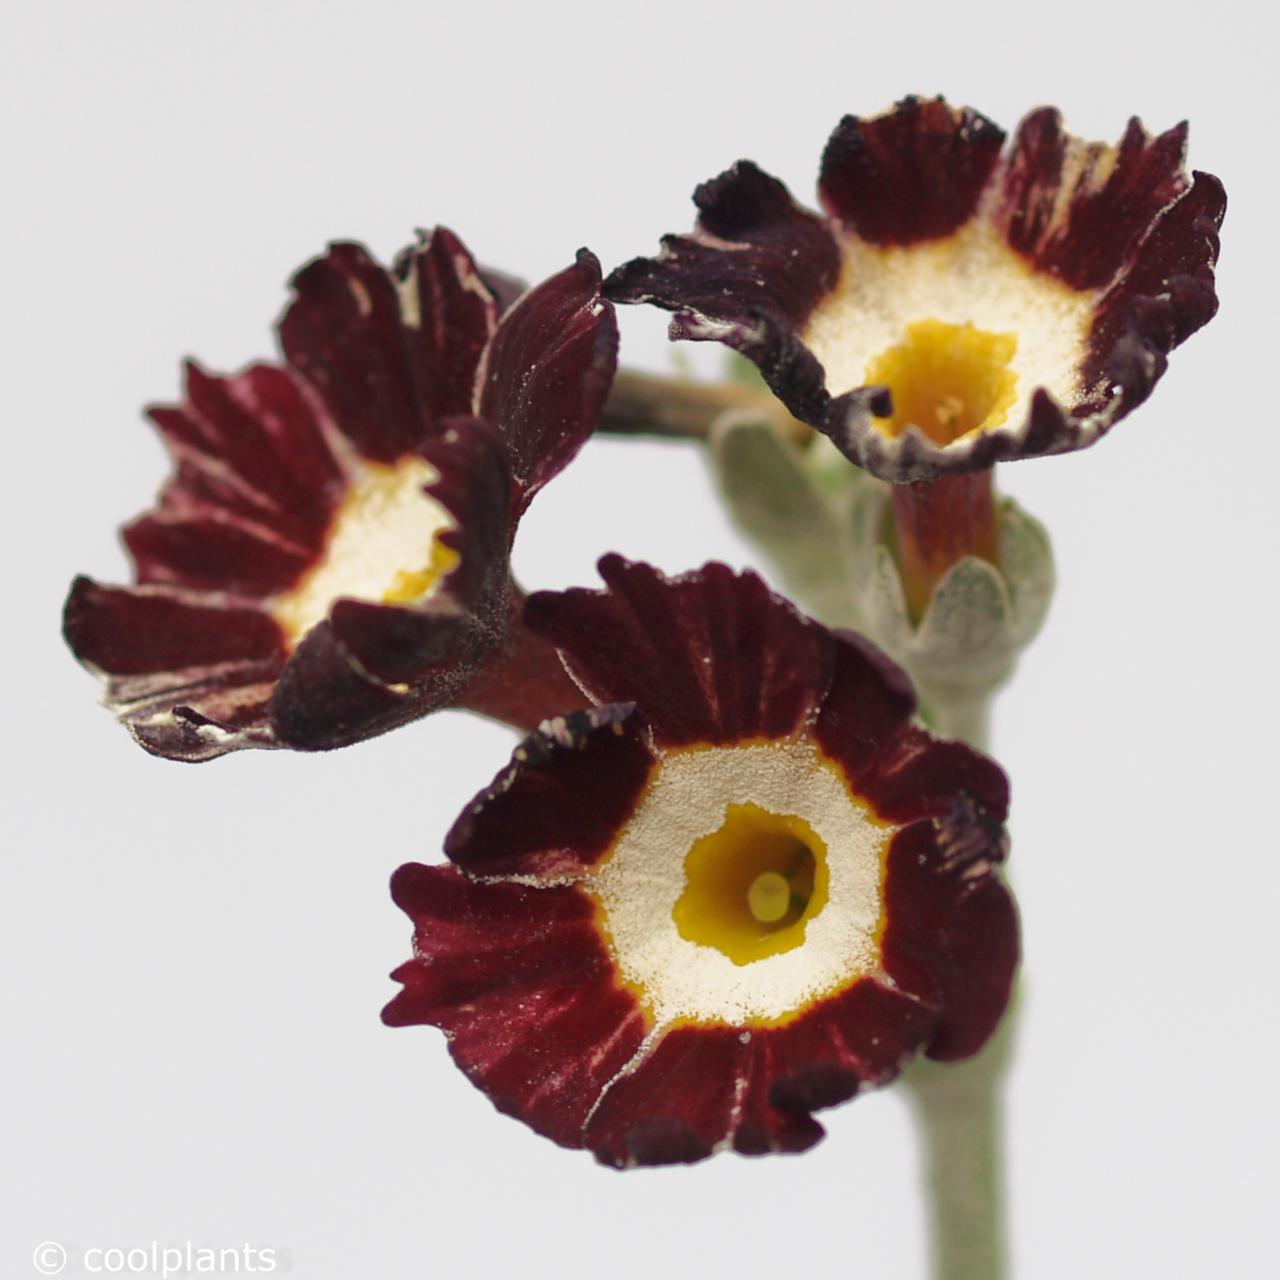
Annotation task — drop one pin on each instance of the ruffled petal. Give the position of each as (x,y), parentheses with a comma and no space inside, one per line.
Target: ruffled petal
(450,310)
(749,276)
(519,981)
(1160,300)
(701,1089)
(579,866)
(251,446)
(951,927)
(1095,259)
(390,353)
(557,807)
(710,657)
(297,489)
(915,173)
(547,373)
(866,727)
(344,332)
(1078,210)
(188,680)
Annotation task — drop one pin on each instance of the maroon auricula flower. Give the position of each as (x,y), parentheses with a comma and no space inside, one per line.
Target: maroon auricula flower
(330,557)
(960,303)
(741,887)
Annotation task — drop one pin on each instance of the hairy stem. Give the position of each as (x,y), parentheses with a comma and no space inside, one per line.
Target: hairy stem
(959,1108)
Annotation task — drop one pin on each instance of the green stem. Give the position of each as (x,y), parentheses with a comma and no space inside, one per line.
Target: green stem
(959,1109)
(650,404)
(959,1106)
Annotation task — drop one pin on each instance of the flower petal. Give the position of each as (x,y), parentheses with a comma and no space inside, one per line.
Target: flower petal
(345,334)
(915,173)
(951,931)
(1162,298)
(547,372)
(520,982)
(750,274)
(867,710)
(140,631)
(310,489)
(710,657)
(1079,210)
(706,1088)
(450,310)
(188,680)
(580,857)
(558,805)
(386,356)
(208,551)
(251,446)
(1088,256)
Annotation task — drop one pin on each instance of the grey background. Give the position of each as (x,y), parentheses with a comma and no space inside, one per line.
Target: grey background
(194,957)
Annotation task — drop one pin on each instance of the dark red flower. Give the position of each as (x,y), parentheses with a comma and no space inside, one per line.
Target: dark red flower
(961,303)
(330,557)
(740,888)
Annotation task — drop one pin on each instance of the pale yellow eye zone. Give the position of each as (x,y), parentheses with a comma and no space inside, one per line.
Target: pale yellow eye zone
(383,546)
(949,380)
(752,885)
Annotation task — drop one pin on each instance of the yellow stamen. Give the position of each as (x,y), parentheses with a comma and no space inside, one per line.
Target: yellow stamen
(949,380)
(769,897)
(752,885)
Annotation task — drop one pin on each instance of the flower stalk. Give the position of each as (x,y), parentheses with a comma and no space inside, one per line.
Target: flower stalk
(936,524)
(959,1108)
(677,408)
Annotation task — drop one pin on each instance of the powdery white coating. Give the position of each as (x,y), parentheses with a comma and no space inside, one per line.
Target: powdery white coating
(386,525)
(972,277)
(639,883)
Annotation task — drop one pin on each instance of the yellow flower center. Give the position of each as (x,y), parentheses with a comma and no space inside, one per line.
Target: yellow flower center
(949,380)
(384,523)
(752,886)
